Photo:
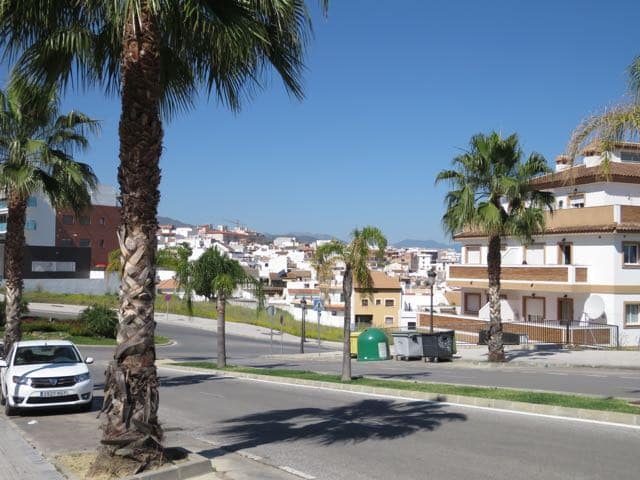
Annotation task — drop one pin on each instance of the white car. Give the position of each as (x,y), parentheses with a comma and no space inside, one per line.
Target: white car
(45,373)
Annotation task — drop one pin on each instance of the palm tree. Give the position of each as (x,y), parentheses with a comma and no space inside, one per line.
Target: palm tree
(616,124)
(355,255)
(158,56)
(214,275)
(492,195)
(36,155)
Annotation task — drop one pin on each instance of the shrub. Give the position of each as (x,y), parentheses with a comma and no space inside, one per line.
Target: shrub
(100,321)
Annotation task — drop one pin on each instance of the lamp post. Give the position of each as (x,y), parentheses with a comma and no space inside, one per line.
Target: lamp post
(303,304)
(431,280)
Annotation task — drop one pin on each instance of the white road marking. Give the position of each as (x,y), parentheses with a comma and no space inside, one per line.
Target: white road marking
(215,395)
(298,473)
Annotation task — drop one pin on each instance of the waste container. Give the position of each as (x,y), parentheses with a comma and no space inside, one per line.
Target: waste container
(438,345)
(407,345)
(373,345)
(353,337)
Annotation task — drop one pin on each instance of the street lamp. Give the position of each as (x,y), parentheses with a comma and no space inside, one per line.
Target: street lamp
(431,280)
(303,304)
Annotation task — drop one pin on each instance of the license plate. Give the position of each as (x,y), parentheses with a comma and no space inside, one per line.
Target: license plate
(55,393)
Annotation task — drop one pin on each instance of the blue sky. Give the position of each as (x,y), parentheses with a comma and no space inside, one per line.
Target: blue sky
(394,90)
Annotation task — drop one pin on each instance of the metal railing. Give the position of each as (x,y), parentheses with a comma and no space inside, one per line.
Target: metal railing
(545,331)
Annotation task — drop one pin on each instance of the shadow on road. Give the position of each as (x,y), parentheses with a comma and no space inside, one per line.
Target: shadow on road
(354,423)
(182,380)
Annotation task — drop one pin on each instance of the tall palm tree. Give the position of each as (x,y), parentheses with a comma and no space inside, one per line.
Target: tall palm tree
(37,144)
(492,195)
(214,275)
(366,243)
(619,123)
(158,56)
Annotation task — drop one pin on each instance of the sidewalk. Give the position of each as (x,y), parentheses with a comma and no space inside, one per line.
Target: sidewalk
(19,460)
(553,357)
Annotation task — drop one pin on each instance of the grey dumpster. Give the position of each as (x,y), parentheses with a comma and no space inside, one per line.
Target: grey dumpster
(438,345)
(407,345)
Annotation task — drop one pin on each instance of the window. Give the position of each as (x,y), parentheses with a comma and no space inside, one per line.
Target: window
(472,303)
(84,242)
(389,302)
(85,220)
(378,301)
(43,266)
(32,202)
(560,204)
(473,255)
(102,243)
(632,157)
(66,242)
(388,320)
(630,253)
(365,302)
(576,201)
(30,225)
(632,314)
(565,254)
(67,219)
(101,221)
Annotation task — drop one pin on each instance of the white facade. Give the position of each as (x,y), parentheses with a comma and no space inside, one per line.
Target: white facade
(590,250)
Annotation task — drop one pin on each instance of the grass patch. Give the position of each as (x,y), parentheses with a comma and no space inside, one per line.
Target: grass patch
(542,398)
(81,339)
(235,313)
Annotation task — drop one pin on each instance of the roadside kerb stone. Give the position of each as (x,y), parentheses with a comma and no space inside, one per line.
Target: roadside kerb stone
(196,467)
(553,410)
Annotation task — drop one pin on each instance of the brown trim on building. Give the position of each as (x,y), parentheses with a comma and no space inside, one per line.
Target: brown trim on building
(524,273)
(580,175)
(581,274)
(550,287)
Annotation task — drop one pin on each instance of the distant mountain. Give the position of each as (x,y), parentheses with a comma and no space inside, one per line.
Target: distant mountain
(172,221)
(412,243)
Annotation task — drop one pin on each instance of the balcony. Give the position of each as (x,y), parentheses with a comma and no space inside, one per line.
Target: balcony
(570,218)
(517,276)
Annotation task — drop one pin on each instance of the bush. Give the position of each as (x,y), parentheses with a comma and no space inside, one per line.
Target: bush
(100,321)
(24,309)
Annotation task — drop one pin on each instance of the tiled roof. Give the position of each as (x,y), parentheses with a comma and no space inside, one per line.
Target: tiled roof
(382,281)
(303,291)
(298,274)
(168,284)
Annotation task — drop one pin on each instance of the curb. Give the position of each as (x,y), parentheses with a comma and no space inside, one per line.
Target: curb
(623,419)
(519,364)
(193,468)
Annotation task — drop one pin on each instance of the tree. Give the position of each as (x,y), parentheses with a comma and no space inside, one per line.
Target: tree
(366,243)
(622,122)
(214,275)
(177,259)
(492,195)
(159,56)
(37,144)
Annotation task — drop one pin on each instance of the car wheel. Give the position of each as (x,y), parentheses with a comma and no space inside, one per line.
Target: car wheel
(9,411)
(2,399)
(85,407)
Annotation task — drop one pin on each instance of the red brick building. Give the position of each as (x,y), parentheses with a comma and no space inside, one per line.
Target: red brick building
(94,228)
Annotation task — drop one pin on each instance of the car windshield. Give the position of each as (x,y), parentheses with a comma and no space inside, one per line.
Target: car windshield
(46,354)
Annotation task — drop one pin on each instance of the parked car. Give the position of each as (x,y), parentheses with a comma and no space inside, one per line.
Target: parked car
(45,373)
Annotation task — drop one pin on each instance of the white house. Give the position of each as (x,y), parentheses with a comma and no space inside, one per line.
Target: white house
(586,265)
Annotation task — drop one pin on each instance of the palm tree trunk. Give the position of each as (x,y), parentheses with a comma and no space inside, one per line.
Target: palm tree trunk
(221,305)
(347,285)
(130,425)
(496,348)
(13,254)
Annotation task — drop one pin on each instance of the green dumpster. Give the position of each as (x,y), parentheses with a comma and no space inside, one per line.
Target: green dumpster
(354,343)
(373,345)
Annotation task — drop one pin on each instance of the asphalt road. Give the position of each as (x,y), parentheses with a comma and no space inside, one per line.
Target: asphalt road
(338,435)
(195,344)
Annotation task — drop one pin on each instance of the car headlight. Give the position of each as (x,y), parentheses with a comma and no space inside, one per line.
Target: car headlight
(82,377)
(21,380)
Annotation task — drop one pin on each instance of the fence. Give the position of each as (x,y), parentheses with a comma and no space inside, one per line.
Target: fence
(545,331)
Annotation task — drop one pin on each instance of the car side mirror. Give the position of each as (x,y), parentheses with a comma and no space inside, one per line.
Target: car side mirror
(88,360)
(3,363)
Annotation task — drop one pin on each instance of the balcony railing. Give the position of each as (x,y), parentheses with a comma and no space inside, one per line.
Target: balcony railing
(523,273)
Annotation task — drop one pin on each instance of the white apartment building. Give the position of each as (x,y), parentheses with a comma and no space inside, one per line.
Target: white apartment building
(586,265)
